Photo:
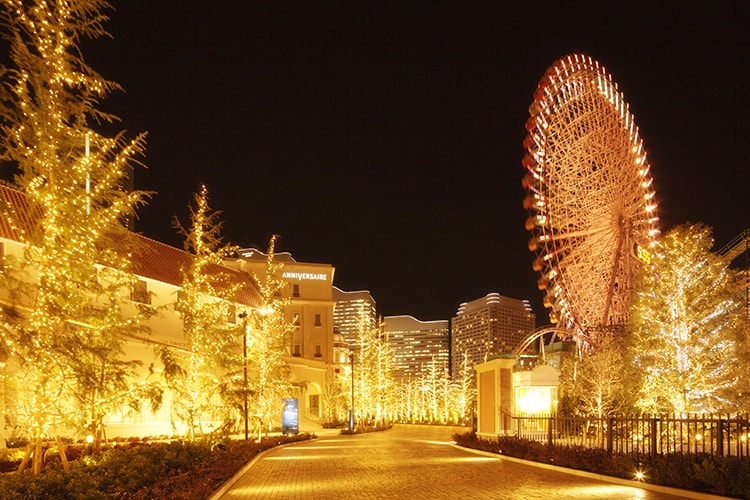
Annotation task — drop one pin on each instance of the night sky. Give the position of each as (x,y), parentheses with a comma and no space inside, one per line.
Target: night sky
(386,140)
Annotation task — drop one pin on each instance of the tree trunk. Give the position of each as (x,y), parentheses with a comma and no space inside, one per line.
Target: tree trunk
(26,458)
(63,456)
(37,465)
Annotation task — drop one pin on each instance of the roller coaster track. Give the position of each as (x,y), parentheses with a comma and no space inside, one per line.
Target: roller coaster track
(739,245)
(729,252)
(535,335)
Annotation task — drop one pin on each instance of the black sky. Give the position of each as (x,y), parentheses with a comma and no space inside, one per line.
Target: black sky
(384,138)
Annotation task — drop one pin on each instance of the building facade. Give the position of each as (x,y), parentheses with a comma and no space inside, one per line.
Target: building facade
(158,270)
(417,344)
(309,308)
(352,312)
(158,280)
(487,326)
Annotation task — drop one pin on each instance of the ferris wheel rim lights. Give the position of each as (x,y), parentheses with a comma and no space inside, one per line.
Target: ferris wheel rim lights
(558,107)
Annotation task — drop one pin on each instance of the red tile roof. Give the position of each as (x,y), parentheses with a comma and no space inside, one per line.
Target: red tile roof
(151,259)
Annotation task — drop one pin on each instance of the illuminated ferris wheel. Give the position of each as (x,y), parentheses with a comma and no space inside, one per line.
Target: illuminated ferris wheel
(592,211)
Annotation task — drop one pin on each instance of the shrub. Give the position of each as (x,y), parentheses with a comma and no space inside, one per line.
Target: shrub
(704,473)
(335,424)
(725,475)
(175,470)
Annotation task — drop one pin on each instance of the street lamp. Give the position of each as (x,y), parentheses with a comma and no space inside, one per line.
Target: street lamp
(3,441)
(243,315)
(351,409)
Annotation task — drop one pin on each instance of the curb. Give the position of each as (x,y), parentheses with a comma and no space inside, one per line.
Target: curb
(245,468)
(601,477)
(227,485)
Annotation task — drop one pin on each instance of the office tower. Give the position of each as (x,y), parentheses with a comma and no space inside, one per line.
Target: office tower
(416,344)
(353,311)
(488,326)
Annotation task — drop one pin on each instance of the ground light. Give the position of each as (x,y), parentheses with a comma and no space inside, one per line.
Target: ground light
(639,475)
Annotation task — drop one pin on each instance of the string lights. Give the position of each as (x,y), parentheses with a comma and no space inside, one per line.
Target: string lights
(75,264)
(687,327)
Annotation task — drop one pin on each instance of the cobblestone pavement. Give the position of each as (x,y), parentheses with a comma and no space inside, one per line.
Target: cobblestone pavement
(412,462)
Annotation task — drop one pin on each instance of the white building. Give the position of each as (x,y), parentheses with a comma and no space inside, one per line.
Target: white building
(158,268)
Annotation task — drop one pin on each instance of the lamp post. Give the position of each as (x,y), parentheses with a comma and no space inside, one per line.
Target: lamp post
(351,409)
(243,315)
(3,441)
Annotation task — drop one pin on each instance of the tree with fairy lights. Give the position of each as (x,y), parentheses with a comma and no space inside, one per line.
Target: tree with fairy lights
(68,338)
(464,391)
(336,394)
(205,304)
(374,380)
(594,382)
(268,334)
(687,331)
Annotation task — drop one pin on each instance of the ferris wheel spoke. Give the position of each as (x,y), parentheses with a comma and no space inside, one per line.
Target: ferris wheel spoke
(590,195)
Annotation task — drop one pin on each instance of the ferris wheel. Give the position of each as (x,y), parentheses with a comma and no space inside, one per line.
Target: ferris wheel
(591,202)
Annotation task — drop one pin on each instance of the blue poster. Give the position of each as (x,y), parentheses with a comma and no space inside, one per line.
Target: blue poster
(289,416)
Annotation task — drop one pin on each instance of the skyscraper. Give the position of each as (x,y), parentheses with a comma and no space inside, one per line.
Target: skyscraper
(352,311)
(486,326)
(417,343)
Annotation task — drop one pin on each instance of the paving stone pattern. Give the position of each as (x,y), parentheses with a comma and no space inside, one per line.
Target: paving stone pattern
(410,462)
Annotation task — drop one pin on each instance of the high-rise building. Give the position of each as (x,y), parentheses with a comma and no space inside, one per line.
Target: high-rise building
(416,344)
(353,311)
(486,326)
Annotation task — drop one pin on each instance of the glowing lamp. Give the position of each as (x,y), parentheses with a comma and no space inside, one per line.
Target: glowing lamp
(534,400)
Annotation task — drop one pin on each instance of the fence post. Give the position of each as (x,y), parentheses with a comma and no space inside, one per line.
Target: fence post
(720,437)
(549,430)
(610,425)
(653,433)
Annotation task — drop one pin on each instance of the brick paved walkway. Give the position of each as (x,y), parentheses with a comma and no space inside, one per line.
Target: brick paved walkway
(414,462)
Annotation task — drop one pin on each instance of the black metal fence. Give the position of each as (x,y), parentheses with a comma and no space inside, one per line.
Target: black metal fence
(652,435)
